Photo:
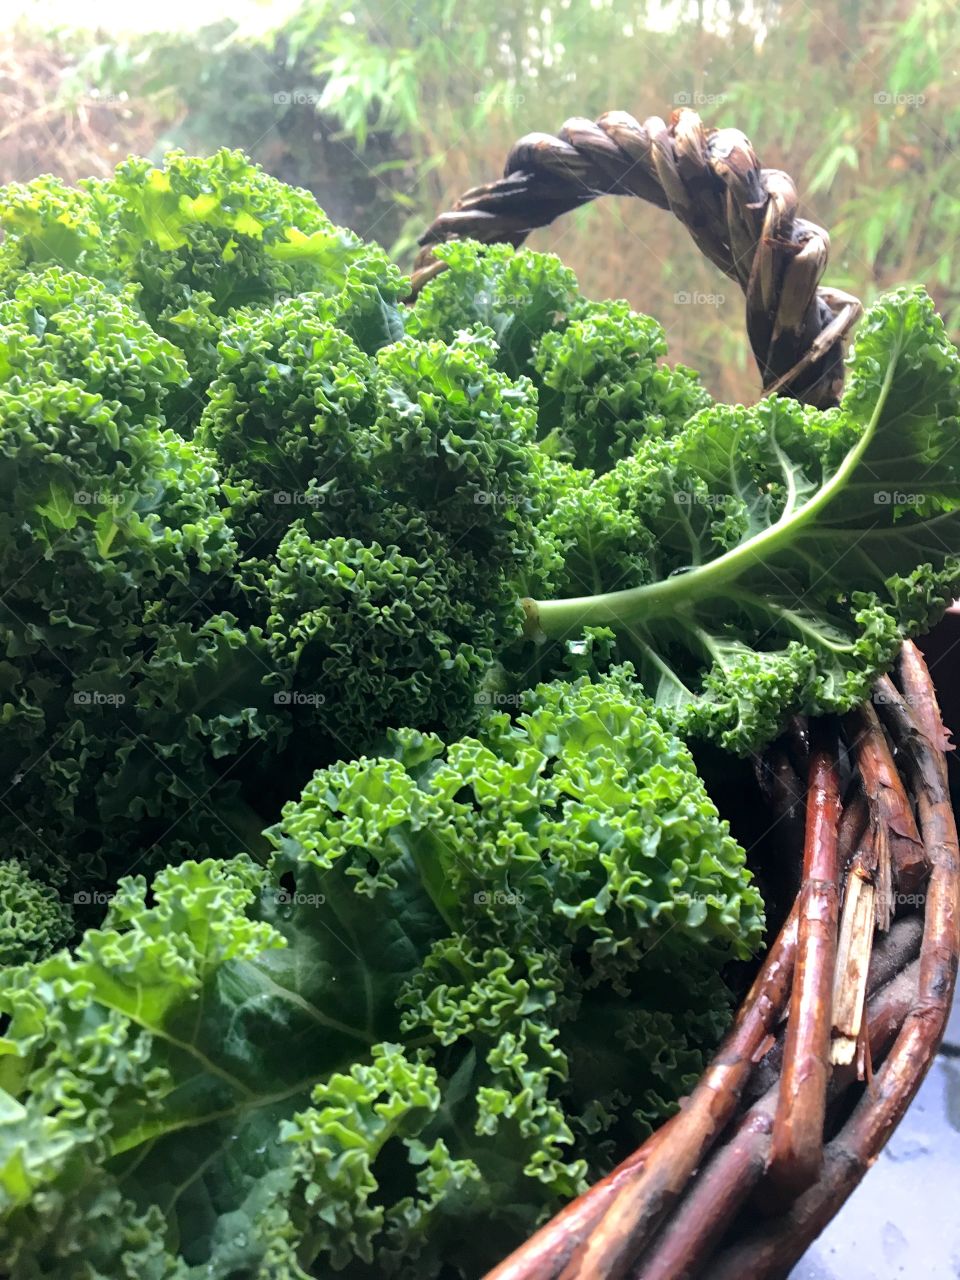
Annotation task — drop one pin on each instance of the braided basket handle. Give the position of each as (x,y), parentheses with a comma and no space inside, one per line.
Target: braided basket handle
(742,217)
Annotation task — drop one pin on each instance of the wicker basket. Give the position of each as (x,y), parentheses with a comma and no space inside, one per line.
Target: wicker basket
(848,1008)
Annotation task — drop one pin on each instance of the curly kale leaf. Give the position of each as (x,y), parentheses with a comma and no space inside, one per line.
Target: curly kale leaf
(518,294)
(363,637)
(386,503)
(771,559)
(471,978)
(289,417)
(58,324)
(47,222)
(112,530)
(33,918)
(189,627)
(603,388)
(596,365)
(199,239)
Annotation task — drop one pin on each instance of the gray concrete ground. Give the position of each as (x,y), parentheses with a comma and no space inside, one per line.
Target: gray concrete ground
(904,1218)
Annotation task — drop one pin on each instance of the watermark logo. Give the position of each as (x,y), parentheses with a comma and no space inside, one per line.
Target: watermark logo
(685,299)
(92,898)
(894,498)
(693,98)
(894,901)
(687,498)
(484,298)
(99,498)
(292,498)
(296,98)
(100,98)
(97,698)
(498,98)
(496,698)
(882,699)
(498,898)
(494,498)
(298,698)
(887,99)
(284,898)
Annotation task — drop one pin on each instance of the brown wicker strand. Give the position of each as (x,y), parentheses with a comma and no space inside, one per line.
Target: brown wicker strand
(916,688)
(797,1151)
(741,216)
(770,1250)
(889,800)
(853,822)
(689,1238)
(891,953)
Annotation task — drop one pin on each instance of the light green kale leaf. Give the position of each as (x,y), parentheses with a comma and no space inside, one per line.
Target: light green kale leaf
(770,559)
(471,978)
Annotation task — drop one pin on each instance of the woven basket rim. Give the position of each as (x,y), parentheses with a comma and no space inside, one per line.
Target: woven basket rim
(742,217)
